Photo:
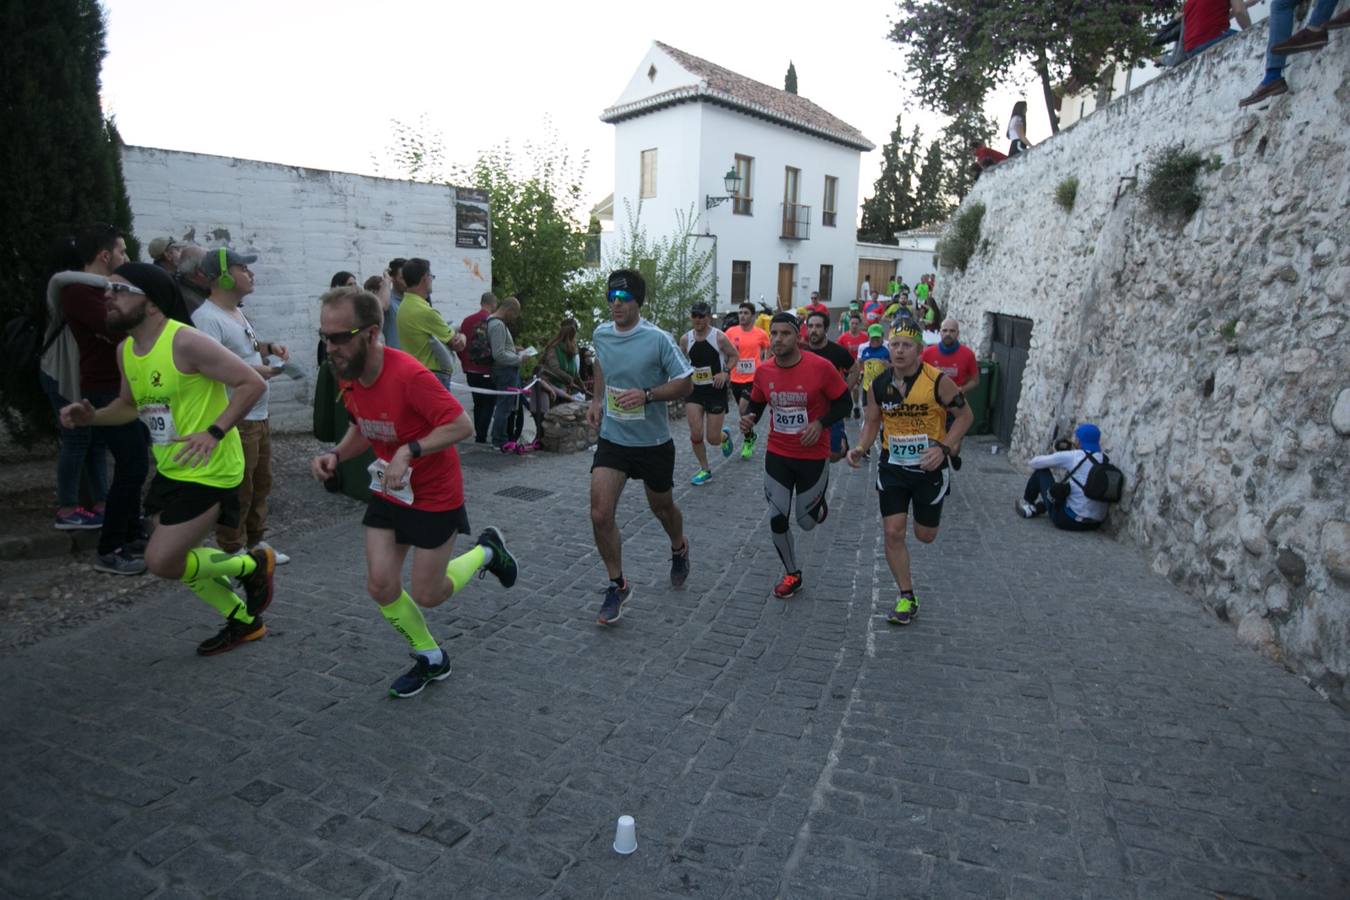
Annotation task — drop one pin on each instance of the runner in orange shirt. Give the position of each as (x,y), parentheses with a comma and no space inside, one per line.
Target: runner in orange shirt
(752,347)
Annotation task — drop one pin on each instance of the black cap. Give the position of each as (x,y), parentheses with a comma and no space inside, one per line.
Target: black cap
(628,281)
(159,287)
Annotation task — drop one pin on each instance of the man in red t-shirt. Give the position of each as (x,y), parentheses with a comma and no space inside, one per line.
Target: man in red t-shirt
(400,410)
(953,358)
(806,395)
(852,341)
(479,375)
(1205,22)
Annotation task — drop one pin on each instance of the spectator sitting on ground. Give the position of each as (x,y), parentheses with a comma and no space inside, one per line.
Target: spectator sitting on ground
(558,377)
(1312,36)
(1076,512)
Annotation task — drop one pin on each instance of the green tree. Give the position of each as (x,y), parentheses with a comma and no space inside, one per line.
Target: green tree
(931,203)
(891,207)
(956,51)
(790,80)
(967,127)
(60,163)
(677,267)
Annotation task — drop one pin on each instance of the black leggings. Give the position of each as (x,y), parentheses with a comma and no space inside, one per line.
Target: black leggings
(808,479)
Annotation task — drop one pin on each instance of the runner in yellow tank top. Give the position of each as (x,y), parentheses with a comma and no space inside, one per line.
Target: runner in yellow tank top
(174,379)
(909,407)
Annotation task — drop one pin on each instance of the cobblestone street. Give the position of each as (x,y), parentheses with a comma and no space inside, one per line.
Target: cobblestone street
(1058,722)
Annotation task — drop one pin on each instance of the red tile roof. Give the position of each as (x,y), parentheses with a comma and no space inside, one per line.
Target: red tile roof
(726,88)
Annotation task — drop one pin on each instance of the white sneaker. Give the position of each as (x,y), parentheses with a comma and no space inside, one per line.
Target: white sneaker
(1025,509)
(282,558)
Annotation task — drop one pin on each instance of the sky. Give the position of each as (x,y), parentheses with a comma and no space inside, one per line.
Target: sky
(318,84)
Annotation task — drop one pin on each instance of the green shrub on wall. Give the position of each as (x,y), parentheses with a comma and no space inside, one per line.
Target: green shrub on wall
(1066,192)
(958,244)
(1169,185)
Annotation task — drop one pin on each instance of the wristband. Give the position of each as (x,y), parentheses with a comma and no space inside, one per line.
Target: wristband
(946,451)
(215,432)
(414,449)
(336,455)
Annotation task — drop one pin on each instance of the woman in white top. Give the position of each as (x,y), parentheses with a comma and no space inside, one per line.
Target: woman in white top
(1017,129)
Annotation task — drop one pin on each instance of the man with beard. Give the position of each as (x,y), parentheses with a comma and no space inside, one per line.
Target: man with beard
(174,379)
(807,396)
(400,410)
(817,324)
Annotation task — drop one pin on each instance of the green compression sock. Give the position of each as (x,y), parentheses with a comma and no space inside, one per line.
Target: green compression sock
(203,562)
(463,567)
(216,592)
(407,620)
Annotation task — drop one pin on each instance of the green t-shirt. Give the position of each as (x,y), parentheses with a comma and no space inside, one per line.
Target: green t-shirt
(417,324)
(921,292)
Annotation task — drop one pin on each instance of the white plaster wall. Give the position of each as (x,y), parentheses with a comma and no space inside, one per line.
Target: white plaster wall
(1213,354)
(304,225)
(696,144)
(669,75)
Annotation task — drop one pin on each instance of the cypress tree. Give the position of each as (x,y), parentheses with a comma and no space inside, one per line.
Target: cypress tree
(60,162)
(790,80)
(930,195)
(891,207)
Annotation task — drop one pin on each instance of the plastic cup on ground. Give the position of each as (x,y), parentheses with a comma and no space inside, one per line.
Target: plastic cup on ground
(625,836)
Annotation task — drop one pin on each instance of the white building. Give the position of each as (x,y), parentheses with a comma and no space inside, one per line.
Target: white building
(683,122)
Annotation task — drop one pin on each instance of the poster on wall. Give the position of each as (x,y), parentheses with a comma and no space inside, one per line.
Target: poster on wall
(471,218)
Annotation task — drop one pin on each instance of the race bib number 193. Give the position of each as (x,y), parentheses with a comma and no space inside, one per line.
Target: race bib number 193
(745,366)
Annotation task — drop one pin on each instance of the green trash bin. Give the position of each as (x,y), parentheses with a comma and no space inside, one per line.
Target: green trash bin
(980,399)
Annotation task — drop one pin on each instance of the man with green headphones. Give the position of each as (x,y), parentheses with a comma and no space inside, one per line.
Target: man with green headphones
(222,319)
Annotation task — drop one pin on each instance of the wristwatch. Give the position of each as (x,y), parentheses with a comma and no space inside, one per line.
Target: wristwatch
(647,394)
(215,432)
(414,449)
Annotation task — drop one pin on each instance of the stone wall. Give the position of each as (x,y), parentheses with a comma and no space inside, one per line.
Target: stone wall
(1212,353)
(304,225)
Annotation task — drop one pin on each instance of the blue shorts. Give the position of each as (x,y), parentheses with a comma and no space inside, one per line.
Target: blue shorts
(838,440)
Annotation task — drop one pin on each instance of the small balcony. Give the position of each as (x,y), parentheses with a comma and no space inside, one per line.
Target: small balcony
(796,222)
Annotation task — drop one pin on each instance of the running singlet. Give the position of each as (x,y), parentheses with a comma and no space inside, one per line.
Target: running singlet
(875,360)
(797,395)
(909,423)
(749,345)
(173,405)
(853,342)
(404,404)
(705,356)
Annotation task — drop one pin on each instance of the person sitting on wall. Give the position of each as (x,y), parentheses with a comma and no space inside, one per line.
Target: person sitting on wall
(1075,511)
(986,157)
(1280,43)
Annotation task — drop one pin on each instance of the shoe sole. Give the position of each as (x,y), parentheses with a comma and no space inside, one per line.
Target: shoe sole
(397,696)
(618,614)
(109,570)
(251,636)
(1301,48)
(894,621)
(77,527)
(269,570)
(501,542)
(1244,104)
(792,593)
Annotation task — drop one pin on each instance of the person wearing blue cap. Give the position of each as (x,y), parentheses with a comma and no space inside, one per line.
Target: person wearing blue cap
(1072,510)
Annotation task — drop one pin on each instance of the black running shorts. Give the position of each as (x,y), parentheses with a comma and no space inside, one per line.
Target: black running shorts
(653,465)
(712,399)
(416,527)
(740,390)
(176,502)
(899,488)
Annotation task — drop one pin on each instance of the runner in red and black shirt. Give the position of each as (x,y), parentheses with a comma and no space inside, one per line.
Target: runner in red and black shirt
(402,412)
(805,395)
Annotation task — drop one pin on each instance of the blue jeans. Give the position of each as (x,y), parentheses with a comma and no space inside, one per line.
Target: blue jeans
(130,448)
(504,378)
(1201,48)
(1282,25)
(81,450)
(1038,489)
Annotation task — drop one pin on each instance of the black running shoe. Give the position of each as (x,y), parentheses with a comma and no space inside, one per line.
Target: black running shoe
(257,584)
(232,635)
(679,566)
(612,609)
(503,564)
(410,683)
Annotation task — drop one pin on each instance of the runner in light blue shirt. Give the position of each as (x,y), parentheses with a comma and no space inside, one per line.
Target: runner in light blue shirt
(638,367)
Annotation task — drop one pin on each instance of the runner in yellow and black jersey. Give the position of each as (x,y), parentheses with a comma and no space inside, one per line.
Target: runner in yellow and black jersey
(909,408)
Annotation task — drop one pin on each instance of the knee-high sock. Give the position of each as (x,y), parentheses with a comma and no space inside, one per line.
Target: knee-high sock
(407,620)
(203,562)
(463,567)
(215,590)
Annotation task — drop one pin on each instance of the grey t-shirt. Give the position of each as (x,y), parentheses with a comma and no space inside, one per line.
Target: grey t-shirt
(238,338)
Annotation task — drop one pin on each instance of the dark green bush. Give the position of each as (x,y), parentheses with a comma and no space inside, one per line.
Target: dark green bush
(959,243)
(1066,192)
(1169,185)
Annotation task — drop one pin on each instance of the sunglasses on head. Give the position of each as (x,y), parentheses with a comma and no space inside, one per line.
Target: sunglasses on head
(118,287)
(624,296)
(339,338)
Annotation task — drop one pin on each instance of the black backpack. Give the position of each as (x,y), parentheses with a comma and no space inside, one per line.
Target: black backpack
(1104,483)
(22,347)
(480,345)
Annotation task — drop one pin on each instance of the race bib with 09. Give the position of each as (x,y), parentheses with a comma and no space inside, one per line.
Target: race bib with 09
(158,420)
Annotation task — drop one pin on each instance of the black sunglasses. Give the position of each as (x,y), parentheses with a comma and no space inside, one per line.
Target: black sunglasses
(341,337)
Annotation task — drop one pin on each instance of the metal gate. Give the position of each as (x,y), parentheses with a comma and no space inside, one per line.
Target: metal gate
(1009,346)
